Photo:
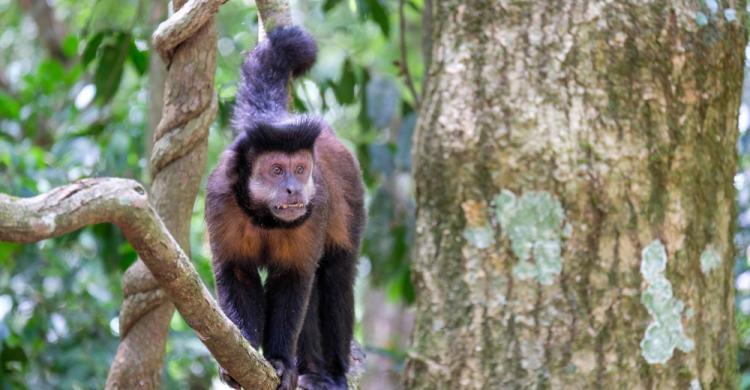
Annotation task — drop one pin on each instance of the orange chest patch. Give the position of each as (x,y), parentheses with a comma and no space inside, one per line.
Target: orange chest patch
(294,248)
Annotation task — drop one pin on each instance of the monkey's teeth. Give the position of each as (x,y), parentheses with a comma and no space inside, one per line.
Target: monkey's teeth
(286,206)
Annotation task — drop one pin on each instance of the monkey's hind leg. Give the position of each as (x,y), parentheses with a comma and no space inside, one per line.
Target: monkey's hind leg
(309,356)
(336,289)
(287,295)
(310,362)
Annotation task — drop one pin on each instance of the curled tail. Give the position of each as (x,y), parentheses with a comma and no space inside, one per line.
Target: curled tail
(262,94)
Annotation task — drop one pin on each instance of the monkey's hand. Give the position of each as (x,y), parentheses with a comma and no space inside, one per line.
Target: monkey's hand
(228,379)
(286,372)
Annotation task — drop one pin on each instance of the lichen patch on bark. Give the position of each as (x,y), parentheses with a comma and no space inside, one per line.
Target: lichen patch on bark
(535,226)
(665,333)
(710,259)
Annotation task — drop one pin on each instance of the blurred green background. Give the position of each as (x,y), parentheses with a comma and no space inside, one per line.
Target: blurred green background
(76,105)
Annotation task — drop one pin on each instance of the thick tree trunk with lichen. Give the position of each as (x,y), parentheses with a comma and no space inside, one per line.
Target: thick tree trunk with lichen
(574,165)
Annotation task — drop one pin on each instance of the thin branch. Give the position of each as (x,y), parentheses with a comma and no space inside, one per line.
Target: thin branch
(402,44)
(271,14)
(51,31)
(125,204)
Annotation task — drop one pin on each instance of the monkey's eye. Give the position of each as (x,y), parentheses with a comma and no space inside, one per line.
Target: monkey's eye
(276,170)
(300,169)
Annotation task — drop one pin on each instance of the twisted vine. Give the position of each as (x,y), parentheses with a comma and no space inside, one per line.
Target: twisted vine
(187,43)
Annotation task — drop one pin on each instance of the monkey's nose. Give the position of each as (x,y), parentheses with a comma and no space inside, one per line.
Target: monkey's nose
(289,190)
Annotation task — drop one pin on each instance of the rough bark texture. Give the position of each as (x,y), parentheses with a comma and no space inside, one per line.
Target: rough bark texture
(565,150)
(187,43)
(125,204)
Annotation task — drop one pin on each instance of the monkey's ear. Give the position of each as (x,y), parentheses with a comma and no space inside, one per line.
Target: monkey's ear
(228,163)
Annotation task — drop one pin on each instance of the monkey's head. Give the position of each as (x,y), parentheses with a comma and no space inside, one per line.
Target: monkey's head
(275,169)
(283,182)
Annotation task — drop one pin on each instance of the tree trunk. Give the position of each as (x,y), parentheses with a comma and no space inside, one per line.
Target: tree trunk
(574,165)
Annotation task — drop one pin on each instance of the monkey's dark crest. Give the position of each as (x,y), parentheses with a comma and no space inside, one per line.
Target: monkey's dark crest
(287,196)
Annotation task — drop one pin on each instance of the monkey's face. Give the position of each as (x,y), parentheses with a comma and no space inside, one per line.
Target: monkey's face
(283,183)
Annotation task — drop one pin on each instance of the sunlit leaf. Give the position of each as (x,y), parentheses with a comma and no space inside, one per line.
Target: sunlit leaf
(70,45)
(51,72)
(9,107)
(6,250)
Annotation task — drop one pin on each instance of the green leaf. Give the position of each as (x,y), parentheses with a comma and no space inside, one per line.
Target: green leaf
(12,354)
(298,104)
(9,107)
(363,118)
(7,249)
(329,4)
(344,91)
(225,111)
(70,45)
(89,53)
(111,64)
(50,72)
(378,13)
(138,58)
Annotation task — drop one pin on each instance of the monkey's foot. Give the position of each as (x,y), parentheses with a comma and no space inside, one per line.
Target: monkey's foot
(224,375)
(313,381)
(287,374)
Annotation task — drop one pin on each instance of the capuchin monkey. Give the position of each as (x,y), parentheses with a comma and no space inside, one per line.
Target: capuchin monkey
(286,196)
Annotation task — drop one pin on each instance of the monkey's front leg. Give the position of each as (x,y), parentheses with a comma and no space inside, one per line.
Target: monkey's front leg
(287,295)
(240,294)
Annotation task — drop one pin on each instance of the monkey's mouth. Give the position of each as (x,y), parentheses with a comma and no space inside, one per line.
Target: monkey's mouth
(289,211)
(289,206)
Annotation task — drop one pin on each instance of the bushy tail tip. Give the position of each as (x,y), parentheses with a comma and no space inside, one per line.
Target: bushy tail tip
(293,47)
